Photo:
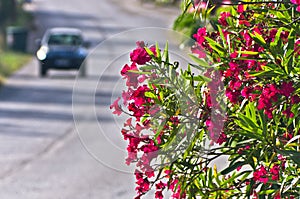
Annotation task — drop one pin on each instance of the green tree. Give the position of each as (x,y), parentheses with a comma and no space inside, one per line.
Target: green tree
(8,11)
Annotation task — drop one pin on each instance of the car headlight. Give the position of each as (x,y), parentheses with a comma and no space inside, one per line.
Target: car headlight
(42,53)
(81,52)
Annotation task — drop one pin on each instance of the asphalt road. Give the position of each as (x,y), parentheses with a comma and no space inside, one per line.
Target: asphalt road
(58,138)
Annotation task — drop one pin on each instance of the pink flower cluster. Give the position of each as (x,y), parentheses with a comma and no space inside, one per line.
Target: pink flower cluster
(241,69)
(241,84)
(143,148)
(216,118)
(140,55)
(263,175)
(297,2)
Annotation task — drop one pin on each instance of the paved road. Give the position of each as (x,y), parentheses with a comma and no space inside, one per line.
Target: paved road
(41,155)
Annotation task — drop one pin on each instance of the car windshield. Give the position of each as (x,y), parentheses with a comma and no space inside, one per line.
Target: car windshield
(65,39)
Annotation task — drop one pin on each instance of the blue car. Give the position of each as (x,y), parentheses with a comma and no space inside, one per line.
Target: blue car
(62,49)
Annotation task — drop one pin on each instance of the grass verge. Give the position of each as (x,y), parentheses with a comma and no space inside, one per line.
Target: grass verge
(10,62)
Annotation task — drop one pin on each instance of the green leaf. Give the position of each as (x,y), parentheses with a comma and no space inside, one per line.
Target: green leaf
(215,46)
(148,67)
(222,37)
(201,78)
(258,38)
(208,11)
(294,155)
(232,167)
(166,53)
(161,96)
(270,73)
(277,37)
(293,139)
(150,95)
(149,51)
(251,112)
(234,176)
(210,177)
(172,73)
(250,134)
(267,192)
(280,15)
(202,62)
(248,124)
(293,183)
(248,52)
(139,72)
(158,53)
(262,120)
(291,43)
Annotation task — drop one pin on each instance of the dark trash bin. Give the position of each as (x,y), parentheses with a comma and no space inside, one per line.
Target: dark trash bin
(16,38)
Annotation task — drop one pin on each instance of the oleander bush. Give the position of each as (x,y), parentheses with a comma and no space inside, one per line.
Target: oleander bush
(238,100)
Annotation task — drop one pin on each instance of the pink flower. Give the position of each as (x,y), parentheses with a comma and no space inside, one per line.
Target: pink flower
(257,31)
(138,96)
(268,96)
(288,113)
(241,8)
(115,105)
(142,78)
(297,2)
(264,180)
(295,99)
(277,196)
(159,188)
(223,18)
(148,148)
(260,175)
(138,112)
(232,95)
(234,55)
(222,138)
(160,185)
(143,185)
(126,96)
(275,172)
(140,55)
(150,173)
(198,50)
(200,36)
(159,195)
(246,92)
(131,157)
(284,35)
(198,7)
(248,40)
(128,122)
(132,78)
(250,63)
(242,21)
(175,121)
(287,89)
(208,100)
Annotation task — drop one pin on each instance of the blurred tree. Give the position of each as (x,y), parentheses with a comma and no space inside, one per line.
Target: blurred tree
(8,11)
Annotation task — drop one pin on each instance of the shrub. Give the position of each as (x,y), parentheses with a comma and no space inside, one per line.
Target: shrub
(244,107)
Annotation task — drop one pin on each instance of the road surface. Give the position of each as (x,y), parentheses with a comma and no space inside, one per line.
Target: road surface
(58,138)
